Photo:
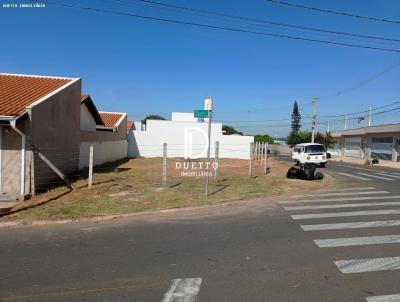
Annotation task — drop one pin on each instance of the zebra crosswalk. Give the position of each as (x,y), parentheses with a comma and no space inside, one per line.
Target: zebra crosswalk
(372,175)
(343,217)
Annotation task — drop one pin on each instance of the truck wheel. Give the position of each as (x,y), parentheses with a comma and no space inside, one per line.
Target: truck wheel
(323,165)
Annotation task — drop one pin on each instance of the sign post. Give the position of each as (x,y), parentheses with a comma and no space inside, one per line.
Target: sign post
(208,104)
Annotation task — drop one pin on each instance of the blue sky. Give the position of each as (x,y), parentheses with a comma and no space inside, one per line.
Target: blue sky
(147,67)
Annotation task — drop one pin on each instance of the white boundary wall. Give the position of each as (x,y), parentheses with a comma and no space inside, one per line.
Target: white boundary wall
(103,152)
(149,143)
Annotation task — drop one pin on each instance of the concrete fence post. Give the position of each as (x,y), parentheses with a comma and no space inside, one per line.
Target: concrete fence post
(90,180)
(216,160)
(266,158)
(251,159)
(33,185)
(164,173)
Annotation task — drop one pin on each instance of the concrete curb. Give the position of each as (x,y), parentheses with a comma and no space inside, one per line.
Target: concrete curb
(116,216)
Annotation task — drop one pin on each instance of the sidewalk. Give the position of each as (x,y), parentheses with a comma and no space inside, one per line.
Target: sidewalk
(360,161)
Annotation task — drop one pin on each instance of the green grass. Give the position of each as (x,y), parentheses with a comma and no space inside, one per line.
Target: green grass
(136,187)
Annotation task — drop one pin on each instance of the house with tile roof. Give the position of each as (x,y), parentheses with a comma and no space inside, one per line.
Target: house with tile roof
(52,116)
(108,135)
(37,112)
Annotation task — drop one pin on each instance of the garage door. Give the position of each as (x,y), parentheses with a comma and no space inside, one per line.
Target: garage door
(381,147)
(352,147)
(398,149)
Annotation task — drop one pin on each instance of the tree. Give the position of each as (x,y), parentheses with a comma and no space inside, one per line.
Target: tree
(325,139)
(299,137)
(296,136)
(264,138)
(296,118)
(305,137)
(152,117)
(229,130)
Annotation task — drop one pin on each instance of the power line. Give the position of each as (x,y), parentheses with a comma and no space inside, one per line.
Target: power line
(231,29)
(323,10)
(364,82)
(322,121)
(360,112)
(264,21)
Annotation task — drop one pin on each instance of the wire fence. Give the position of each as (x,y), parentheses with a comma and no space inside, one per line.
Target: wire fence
(153,172)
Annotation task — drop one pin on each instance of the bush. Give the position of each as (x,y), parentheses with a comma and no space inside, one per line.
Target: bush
(367,162)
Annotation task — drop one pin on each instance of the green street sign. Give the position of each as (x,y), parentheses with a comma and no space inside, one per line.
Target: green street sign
(201,113)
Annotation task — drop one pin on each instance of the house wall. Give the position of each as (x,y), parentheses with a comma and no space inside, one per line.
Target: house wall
(11,161)
(88,122)
(55,131)
(103,152)
(108,146)
(149,143)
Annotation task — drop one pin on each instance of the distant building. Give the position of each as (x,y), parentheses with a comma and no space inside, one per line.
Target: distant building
(186,136)
(382,142)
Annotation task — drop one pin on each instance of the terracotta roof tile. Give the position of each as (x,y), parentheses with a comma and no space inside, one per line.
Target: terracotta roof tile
(130,125)
(19,91)
(110,119)
(84,97)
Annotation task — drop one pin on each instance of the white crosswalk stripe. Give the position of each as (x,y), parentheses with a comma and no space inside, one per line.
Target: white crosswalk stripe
(340,199)
(388,175)
(348,199)
(345,214)
(386,298)
(374,176)
(348,189)
(368,265)
(350,225)
(354,176)
(353,241)
(345,193)
(183,290)
(346,205)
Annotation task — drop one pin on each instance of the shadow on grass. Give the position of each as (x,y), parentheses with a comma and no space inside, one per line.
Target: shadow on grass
(175,185)
(37,204)
(223,187)
(112,167)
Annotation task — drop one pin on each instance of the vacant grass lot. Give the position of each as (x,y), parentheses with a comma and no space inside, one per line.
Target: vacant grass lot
(135,185)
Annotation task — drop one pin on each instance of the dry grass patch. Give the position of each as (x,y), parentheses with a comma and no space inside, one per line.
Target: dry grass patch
(136,186)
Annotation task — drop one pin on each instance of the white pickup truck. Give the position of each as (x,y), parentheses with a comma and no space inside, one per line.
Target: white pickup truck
(309,154)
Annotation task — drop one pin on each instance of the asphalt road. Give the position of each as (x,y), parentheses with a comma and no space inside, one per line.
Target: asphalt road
(242,251)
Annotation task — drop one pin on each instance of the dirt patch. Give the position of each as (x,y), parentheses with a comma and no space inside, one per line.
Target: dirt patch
(136,186)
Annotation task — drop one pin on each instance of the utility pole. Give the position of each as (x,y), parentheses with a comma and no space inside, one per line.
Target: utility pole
(208,105)
(328,128)
(314,118)
(345,123)
(369,116)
